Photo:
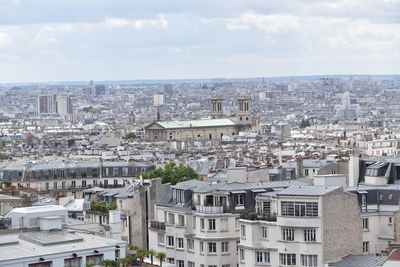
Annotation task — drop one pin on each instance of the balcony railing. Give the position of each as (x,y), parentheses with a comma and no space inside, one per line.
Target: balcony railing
(157,225)
(210,209)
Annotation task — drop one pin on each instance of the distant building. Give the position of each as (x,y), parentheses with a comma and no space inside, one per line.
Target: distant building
(100,89)
(210,129)
(47,104)
(169,90)
(64,105)
(158,99)
(347,110)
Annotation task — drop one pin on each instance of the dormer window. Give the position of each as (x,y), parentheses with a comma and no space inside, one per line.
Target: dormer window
(179,196)
(239,200)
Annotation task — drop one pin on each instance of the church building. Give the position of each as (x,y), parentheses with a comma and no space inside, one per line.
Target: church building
(207,129)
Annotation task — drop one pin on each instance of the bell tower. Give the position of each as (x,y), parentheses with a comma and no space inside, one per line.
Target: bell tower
(216,105)
(244,109)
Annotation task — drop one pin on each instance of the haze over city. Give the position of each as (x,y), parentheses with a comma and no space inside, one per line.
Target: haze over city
(46,40)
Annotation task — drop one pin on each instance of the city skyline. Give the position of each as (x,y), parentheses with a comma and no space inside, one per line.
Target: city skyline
(130,40)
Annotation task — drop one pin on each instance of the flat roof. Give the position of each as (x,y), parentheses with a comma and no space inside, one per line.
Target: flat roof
(18,248)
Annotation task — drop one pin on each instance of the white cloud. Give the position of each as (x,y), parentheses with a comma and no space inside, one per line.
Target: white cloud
(116,22)
(158,23)
(4,38)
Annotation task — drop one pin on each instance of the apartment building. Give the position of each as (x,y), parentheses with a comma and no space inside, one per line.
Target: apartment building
(71,175)
(197,223)
(379,206)
(301,226)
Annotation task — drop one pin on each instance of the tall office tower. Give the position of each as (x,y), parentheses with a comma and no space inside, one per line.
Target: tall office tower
(169,92)
(64,105)
(100,89)
(158,99)
(47,104)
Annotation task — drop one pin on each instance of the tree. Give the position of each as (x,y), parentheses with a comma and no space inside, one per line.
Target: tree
(305,123)
(123,261)
(141,254)
(152,253)
(108,263)
(161,256)
(172,173)
(129,136)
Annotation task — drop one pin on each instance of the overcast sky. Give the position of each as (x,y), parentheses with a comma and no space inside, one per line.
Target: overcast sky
(62,40)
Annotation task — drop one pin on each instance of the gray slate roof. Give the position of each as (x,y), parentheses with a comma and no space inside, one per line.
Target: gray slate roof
(313,190)
(359,261)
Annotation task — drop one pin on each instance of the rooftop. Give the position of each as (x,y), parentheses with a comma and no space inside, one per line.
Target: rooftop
(196,123)
(34,244)
(312,190)
(359,261)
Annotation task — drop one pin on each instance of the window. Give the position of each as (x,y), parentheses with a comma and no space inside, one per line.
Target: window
(170,241)
(309,235)
(262,257)
(180,196)
(225,265)
(194,222)
(239,200)
(264,232)
(309,260)
(299,209)
(212,265)
(201,247)
(190,244)
(161,238)
(305,172)
(287,259)
(288,234)
(95,259)
(366,246)
(241,254)
(390,220)
(243,230)
(202,223)
(179,242)
(365,223)
(181,220)
(171,260)
(115,171)
(180,263)
(211,224)
(191,264)
(212,247)
(83,183)
(224,246)
(223,224)
(171,218)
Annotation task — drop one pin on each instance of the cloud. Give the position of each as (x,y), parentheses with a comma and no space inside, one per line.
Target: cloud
(158,23)
(4,38)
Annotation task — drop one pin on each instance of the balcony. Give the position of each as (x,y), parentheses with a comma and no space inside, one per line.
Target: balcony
(210,209)
(157,225)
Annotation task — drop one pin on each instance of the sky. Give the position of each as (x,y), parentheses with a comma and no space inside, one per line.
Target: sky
(79,40)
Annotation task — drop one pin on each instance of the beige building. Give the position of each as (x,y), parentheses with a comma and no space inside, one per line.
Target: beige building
(208,129)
